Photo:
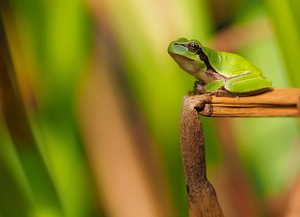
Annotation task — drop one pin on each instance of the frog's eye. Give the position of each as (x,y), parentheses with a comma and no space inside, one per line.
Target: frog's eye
(193,47)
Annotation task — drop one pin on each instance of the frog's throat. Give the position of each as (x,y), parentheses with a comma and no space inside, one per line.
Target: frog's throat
(193,67)
(178,57)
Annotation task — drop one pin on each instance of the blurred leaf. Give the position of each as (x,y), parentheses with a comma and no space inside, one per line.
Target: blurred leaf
(56,39)
(287,34)
(14,200)
(267,144)
(17,122)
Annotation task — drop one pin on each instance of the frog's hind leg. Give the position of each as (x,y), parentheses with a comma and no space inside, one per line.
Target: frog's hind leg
(216,87)
(247,85)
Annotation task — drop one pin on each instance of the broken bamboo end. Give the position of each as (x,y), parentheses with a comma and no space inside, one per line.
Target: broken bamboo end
(280,102)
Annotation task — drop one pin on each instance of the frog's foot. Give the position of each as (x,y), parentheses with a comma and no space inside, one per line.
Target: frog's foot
(224,92)
(198,88)
(221,92)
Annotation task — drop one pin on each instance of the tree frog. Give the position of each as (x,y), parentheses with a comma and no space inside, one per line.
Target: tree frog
(217,71)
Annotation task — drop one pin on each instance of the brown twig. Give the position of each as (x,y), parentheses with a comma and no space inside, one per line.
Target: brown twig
(201,194)
(278,102)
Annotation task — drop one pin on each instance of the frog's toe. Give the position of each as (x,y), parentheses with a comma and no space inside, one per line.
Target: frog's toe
(220,92)
(198,88)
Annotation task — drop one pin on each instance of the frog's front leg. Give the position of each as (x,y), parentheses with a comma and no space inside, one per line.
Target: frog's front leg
(214,85)
(198,88)
(217,88)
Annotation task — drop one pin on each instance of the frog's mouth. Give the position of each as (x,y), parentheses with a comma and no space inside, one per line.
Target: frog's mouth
(183,59)
(178,57)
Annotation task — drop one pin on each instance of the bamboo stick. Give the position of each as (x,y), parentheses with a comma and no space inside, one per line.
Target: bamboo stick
(275,103)
(202,197)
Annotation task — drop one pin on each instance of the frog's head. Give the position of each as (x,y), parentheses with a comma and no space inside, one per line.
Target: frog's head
(186,54)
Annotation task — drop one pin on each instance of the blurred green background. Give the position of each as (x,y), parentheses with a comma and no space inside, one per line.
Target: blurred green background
(90,104)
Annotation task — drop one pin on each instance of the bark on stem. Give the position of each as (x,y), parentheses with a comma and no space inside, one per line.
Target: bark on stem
(276,103)
(201,194)
(202,197)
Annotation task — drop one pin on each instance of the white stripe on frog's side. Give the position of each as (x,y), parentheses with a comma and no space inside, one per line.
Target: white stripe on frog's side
(209,76)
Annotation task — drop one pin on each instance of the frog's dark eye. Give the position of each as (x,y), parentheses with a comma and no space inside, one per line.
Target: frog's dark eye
(193,47)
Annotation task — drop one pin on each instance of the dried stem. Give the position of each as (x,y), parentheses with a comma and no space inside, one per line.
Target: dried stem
(279,102)
(201,194)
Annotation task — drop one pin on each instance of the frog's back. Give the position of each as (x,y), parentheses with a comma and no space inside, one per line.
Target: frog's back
(229,64)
